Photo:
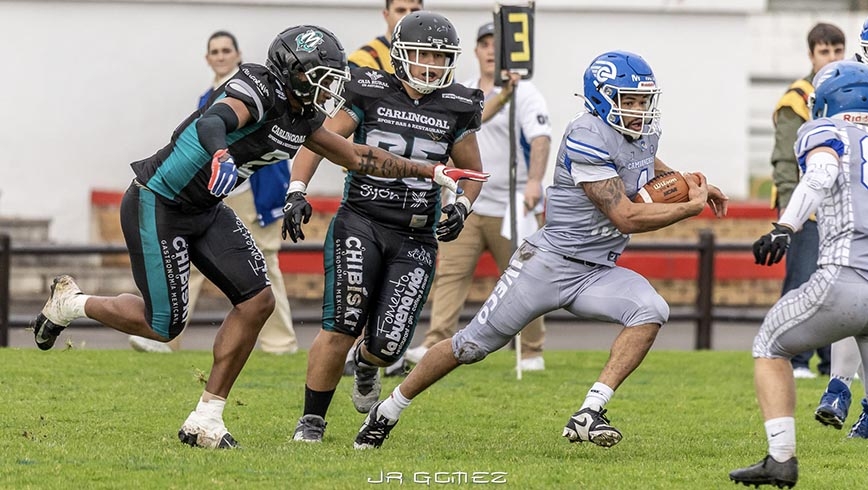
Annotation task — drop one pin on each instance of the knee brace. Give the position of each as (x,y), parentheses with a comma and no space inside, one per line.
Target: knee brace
(469,353)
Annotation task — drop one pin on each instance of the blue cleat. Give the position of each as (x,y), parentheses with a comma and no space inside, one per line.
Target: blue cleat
(860,428)
(834,404)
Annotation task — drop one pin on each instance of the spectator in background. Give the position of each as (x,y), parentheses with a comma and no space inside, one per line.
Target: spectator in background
(259,204)
(375,54)
(483,230)
(825,45)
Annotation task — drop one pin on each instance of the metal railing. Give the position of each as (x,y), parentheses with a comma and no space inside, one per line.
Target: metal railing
(703,312)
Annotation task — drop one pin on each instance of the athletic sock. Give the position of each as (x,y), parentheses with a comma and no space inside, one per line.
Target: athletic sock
(598,396)
(76,304)
(781,435)
(213,408)
(317,402)
(392,407)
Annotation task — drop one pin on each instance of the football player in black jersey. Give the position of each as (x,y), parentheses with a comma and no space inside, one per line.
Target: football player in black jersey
(382,243)
(172,214)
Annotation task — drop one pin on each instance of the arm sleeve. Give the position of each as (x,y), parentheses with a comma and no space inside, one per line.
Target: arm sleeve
(212,128)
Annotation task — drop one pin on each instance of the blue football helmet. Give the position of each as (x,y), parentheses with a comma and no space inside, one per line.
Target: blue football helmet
(863,41)
(613,75)
(841,91)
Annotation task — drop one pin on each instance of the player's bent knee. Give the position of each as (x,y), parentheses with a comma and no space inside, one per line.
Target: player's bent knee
(469,353)
(652,310)
(384,353)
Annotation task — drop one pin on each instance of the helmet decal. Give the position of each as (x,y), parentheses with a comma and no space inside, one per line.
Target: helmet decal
(308,40)
(311,62)
(604,70)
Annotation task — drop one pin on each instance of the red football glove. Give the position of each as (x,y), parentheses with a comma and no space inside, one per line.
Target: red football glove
(449,176)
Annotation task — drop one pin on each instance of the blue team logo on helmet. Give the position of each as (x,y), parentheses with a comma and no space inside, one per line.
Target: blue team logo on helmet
(841,91)
(863,41)
(614,75)
(308,41)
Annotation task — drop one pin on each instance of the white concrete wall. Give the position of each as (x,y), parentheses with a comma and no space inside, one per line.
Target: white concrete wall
(92,86)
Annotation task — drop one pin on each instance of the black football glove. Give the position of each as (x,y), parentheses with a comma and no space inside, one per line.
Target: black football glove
(771,247)
(448,229)
(295,212)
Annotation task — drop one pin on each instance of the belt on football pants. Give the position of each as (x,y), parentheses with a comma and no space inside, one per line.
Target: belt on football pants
(580,261)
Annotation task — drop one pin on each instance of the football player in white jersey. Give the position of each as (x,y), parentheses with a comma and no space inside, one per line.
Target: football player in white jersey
(846,360)
(606,155)
(831,150)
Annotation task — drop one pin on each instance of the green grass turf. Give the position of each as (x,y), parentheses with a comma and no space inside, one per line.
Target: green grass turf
(77,419)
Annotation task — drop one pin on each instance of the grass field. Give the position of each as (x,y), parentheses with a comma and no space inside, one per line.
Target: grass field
(108,419)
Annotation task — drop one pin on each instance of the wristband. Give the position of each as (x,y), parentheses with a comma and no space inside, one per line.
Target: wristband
(297,186)
(465,202)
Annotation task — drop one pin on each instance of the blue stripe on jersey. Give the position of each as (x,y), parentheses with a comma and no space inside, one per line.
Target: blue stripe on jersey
(158,292)
(834,144)
(578,146)
(525,148)
(568,163)
(590,155)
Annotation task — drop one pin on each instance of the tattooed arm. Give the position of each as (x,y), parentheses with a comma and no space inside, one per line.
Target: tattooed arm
(365,159)
(629,217)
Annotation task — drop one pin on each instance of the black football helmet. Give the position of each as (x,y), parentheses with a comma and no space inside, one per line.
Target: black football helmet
(310,61)
(424,31)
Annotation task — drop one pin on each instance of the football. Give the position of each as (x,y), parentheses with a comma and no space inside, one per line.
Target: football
(670,187)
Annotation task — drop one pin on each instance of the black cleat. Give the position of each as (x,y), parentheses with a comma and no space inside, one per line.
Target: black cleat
(768,472)
(375,430)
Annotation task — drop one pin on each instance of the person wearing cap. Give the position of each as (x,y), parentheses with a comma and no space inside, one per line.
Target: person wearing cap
(457,260)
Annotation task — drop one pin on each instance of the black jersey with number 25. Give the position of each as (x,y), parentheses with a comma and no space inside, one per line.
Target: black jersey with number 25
(421,130)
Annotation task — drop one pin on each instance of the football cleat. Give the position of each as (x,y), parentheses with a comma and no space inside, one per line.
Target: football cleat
(415,354)
(768,472)
(589,425)
(834,404)
(375,430)
(57,313)
(201,431)
(310,428)
(366,388)
(141,344)
(860,428)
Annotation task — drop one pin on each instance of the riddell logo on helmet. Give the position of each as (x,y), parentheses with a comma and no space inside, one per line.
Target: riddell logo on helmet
(855,117)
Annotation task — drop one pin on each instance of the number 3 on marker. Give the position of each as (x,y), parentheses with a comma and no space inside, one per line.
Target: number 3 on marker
(520,36)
